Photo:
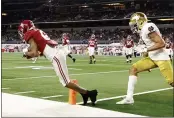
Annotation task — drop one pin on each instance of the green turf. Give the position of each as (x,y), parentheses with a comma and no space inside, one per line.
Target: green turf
(108,84)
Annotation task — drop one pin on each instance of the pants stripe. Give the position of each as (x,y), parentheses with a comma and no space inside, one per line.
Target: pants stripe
(60,69)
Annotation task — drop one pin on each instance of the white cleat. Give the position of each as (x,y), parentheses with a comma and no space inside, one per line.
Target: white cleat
(126,101)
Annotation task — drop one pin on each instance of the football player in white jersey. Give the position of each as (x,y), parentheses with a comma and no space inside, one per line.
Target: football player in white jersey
(154,52)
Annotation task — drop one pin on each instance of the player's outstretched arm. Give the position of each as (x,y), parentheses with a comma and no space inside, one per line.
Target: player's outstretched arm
(32,50)
(159,42)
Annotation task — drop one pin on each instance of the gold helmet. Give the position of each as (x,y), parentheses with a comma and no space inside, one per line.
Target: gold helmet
(136,21)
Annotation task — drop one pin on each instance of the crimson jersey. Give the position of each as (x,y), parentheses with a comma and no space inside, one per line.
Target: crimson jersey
(40,38)
(91,43)
(65,40)
(168,45)
(129,43)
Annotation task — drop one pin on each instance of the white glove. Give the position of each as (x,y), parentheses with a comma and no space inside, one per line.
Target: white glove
(144,49)
(25,50)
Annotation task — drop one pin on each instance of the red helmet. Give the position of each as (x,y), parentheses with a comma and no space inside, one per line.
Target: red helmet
(24,27)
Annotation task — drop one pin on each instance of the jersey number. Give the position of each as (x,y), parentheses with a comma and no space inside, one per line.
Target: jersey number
(129,43)
(44,35)
(91,42)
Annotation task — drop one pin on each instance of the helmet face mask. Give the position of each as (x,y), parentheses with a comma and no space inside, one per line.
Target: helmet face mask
(24,27)
(137,21)
(134,27)
(20,34)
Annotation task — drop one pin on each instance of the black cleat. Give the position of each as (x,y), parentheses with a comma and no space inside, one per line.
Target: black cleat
(130,61)
(93,96)
(74,60)
(85,98)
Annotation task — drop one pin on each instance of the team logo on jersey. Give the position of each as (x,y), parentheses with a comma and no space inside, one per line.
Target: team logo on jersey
(151,28)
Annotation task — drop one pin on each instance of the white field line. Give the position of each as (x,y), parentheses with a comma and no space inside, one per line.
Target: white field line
(36,67)
(23,92)
(70,74)
(74,69)
(49,67)
(55,96)
(5,88)
(106,72)
(140,93)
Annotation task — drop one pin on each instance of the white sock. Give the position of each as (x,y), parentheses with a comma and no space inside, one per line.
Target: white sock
(127,60)
(131,85)
(130,59)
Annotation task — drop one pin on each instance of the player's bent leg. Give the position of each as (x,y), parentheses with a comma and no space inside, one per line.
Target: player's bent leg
(166,70)
(127,58)
(130,58)
(94,59)
(70,56)
(60,67)
(142,65)
(90,59)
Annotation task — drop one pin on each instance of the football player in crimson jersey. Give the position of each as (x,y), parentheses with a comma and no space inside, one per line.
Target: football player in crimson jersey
(41,44)
(168,47)
(34,59)
(129,44)
(92,43)
(66,44)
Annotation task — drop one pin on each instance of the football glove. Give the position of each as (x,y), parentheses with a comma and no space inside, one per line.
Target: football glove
(144,49)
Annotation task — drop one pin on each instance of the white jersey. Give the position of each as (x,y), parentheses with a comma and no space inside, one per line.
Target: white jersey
(159,54)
